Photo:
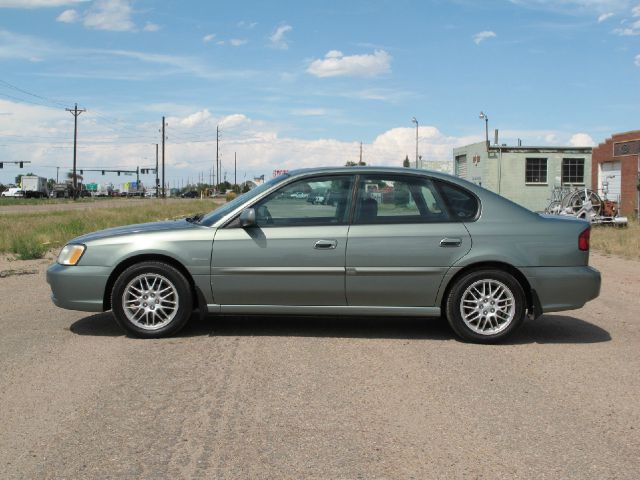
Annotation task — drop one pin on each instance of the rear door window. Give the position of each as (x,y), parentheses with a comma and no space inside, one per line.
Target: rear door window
(462,205)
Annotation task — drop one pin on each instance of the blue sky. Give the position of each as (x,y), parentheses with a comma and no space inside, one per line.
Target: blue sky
(303,83)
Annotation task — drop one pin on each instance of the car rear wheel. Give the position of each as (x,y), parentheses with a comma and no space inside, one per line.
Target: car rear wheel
(152,300)
(485,306)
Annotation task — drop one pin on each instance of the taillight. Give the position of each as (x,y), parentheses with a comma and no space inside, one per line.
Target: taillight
(583,240)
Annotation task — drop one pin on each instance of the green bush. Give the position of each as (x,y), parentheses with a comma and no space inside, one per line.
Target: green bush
(28,248)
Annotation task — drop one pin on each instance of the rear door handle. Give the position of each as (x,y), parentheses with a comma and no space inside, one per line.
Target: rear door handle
(326,244)
(450,242)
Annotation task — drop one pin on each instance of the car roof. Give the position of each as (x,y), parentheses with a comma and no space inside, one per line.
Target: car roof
(370,169)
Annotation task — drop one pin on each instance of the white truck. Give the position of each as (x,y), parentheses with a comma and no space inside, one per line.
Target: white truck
(13,192)
(34,186)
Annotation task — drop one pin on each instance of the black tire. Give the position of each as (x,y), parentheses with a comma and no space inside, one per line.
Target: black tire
(498,327)
(181,294)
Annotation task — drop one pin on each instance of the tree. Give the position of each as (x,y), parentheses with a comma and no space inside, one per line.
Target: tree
(406,162)
(19,177)
(51,183)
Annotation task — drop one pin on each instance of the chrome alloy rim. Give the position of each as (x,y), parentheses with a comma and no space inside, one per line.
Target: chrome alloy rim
(150,301)
(487,307)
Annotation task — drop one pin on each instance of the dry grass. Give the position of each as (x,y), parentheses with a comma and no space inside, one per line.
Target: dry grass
(31,235)
(624,242)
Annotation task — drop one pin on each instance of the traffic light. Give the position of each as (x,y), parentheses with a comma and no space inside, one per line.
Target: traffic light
(118,172)
(81,172)
(1,166)
(21,164)
(102,172)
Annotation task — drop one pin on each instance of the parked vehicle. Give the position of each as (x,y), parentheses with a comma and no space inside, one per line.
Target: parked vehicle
(448,247)
(34,186)
(190,194)
(63,190)
(14,192)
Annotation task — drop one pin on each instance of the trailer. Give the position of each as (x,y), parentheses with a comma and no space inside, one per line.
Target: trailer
(34,186)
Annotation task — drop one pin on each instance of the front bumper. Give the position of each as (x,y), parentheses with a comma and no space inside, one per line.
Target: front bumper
(78,287)
(563,288)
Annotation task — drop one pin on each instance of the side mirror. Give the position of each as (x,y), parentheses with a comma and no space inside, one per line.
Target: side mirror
(248,218)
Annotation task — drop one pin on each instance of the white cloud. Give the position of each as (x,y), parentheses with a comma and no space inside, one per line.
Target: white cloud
(196,118)
(247,25)
(68,16)
(632,30)
(482,36)
(630,26)
(335,64)
(605,16)
(111,15)
(30,4)
(151,27)
(581,140)
(277,37)
(309,112)
(637,60)
(236,42)
(209,37)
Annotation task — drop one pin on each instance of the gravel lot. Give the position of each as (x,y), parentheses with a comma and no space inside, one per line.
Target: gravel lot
(318,398)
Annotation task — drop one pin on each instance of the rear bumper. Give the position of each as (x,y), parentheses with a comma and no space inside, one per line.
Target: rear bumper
(563,288)
(78,288)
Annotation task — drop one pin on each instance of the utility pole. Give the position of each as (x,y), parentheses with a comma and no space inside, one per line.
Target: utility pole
(360,162)
(75,112)
(57,173)
(217,172)
(138,178)
(157,179)
(164,193)
(414,120)
(235,168)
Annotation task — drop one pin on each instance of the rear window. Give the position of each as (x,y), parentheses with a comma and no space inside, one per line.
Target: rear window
(462,205)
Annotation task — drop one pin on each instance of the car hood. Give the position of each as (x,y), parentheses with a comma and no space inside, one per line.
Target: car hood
(140,228)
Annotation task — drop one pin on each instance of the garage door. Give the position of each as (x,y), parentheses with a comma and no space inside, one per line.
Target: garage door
(461,166)
(609,182)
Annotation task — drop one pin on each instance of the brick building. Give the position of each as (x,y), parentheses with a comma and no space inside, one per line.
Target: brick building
(616,163)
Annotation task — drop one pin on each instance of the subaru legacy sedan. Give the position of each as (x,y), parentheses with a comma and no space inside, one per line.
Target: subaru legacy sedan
(382,241)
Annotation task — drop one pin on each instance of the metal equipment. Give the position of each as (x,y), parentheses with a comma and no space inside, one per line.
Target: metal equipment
(586,204)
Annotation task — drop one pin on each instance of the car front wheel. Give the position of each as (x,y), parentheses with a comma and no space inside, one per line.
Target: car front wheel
(485,306)
(152,300)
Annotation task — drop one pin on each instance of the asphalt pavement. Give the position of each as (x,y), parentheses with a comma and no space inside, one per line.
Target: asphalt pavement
(318,398)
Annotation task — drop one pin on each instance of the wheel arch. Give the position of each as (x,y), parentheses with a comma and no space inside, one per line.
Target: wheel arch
(493,265)
(150,257)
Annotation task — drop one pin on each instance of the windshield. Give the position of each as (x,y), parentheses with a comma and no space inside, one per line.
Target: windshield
(212,217)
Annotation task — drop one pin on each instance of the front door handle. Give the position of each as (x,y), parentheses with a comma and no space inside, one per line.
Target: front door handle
(326,244)
(450,242)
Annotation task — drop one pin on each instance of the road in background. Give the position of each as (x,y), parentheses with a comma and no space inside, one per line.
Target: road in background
(244,397)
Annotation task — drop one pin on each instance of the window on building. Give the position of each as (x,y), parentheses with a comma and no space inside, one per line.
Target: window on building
(536,170)
(573,170)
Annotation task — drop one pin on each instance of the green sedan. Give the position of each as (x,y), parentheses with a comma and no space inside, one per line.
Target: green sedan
(382,241)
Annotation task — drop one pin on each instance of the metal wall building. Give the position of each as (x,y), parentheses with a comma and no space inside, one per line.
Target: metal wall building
(524,174)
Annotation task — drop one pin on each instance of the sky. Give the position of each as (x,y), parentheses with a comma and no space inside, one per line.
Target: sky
(297,84)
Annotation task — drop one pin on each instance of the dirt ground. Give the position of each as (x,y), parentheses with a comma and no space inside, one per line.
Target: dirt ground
(242,397)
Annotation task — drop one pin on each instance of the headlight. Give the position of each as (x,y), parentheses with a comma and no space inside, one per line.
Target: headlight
(71,254)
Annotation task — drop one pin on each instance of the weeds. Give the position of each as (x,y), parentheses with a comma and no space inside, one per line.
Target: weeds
(31,235)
